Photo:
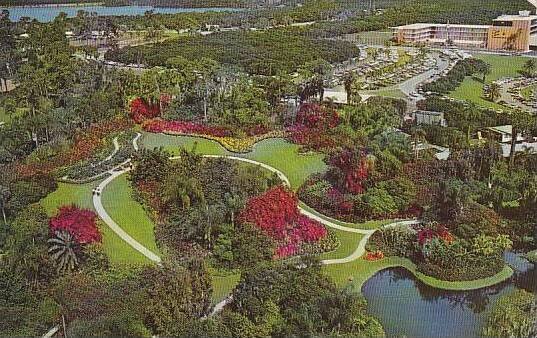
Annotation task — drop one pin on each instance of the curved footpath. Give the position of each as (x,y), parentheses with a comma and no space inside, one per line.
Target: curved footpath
(101,211)
(360,250)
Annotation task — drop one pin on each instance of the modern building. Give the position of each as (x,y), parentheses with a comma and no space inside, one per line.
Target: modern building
(507,32)
(423,117)
(502,134)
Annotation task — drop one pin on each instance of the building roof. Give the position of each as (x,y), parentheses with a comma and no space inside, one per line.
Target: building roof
(430,25)
(507,129)
(516,17)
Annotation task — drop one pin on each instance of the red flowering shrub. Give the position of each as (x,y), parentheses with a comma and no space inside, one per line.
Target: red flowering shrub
(85,144)
(276,213)
(180,127)
(81,223)
(314,116)
(351,169)
(312,126)
(141,110)
(439,231)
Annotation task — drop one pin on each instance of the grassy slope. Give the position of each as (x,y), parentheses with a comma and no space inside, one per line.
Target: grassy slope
(129,214)
(356,273)
(278,153)
(116,249)
(502,66)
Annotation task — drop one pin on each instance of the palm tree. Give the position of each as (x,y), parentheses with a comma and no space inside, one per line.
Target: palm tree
(530,67)
(64,250)
(494,91)
(179,188)
(233,202)
(486,70)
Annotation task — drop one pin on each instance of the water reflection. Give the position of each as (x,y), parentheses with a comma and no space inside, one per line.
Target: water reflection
(409,308)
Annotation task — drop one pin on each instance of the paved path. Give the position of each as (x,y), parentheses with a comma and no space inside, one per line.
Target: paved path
(360,250)
(101,211)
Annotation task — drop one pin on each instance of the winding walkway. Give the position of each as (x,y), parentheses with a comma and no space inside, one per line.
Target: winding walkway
(101,211)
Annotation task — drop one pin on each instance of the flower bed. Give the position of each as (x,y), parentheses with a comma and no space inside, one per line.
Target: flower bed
(97,166)
(218,134)
(85,144)
(276,213)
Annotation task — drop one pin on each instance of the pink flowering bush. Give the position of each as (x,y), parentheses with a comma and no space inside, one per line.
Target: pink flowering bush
(81,223)
(276,213)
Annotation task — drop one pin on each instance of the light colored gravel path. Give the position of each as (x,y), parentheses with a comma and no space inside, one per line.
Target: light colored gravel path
(360,250)
(135,141)
(101,211)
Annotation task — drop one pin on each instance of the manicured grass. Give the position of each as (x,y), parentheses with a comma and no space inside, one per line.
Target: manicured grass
(277,153)
(356,273)
(348,244)
(79,194)
(501,67)
(223,285)
(172,144)
(129,214)
(284,156)
(117,250)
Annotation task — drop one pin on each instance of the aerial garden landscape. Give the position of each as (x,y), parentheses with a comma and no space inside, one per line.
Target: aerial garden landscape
(248,168)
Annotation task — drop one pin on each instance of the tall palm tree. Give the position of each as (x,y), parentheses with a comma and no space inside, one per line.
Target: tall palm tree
(494,91)
(64,250)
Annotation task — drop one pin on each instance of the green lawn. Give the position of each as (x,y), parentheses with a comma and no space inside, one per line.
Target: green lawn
(369,225)
(116,249)
(348,244)
(223,285)
(501,67)
(277,153)
(356,273)
(130,216)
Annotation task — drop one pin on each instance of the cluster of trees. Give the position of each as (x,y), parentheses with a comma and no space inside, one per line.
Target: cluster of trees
(365,159)
(456,75)
(265,53)
(197,202)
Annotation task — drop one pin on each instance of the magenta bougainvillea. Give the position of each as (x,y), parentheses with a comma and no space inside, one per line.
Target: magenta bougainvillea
(276,213)
(81,223)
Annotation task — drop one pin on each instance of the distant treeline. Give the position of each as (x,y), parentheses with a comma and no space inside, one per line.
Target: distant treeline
(47,2)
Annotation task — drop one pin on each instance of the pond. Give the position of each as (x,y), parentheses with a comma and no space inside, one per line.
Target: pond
(48,13)
(406,307)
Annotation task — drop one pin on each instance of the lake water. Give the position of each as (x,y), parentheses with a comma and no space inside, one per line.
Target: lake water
(46,14)
(407,307)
